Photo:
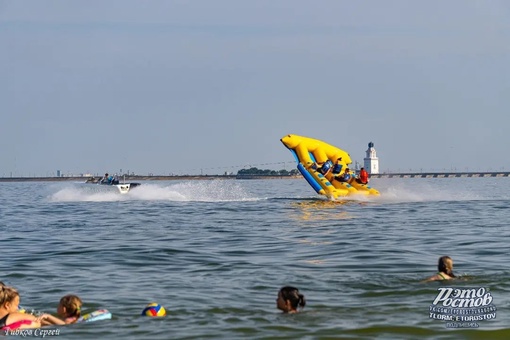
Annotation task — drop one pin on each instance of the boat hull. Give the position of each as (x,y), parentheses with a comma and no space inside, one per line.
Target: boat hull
(122,188)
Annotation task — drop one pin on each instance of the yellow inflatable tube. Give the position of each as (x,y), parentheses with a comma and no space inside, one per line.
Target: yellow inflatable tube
(364,188)
(308,152)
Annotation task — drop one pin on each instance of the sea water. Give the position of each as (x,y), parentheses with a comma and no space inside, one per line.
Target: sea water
(215,253)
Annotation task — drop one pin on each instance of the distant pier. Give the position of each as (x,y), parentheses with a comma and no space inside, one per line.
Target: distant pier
(121,178)
(248,177)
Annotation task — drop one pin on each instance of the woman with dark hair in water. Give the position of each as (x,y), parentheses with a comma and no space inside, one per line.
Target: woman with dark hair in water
(289,300)
(444,270)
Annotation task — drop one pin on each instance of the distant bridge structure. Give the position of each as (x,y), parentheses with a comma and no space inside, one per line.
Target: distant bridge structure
(199,177)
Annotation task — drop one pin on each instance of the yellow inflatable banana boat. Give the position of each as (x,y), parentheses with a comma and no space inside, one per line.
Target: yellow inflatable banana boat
(323,166)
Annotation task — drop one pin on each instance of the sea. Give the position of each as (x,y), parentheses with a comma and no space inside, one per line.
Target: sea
(214,254)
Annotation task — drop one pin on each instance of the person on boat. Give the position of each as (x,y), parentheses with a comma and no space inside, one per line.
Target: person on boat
(114,179)
(69,308)
(317,165)
(322,167)
(362,177)
(444,270)
(338,167)
(12,319)
(289,299)
(105,179)
(346,177)
(326,167)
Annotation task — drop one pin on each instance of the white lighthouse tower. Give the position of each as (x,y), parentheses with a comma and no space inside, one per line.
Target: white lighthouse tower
(371,161)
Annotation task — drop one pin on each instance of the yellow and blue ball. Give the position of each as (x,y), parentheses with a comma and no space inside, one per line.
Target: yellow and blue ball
(154,309)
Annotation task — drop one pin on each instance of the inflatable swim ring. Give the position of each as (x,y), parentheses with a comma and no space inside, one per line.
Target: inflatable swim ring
(101,314)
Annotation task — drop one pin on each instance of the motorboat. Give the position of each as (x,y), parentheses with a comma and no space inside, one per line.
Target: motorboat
(113,184)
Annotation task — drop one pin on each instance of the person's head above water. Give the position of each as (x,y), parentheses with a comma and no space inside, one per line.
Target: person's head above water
(445,265)
(9,298)
(444,270)
(289,300)
(70,306)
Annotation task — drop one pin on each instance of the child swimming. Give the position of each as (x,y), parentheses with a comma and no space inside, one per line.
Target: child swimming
(69,308)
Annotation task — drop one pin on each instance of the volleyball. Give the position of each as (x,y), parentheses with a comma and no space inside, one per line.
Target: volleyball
(154,309)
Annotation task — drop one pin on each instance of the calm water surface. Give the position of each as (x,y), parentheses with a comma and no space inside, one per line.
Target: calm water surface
(215,253)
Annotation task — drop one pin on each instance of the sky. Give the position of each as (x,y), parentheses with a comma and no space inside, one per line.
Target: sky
(207,87)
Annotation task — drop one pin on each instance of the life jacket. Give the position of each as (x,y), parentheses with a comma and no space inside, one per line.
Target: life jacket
(326,167)
(363,177)
(337,168)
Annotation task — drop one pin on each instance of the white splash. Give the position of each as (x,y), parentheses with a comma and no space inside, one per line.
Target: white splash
(200,191)
(78,194)
(421,190)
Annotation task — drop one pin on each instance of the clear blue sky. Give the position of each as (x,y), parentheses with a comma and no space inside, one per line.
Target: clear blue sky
(189,86)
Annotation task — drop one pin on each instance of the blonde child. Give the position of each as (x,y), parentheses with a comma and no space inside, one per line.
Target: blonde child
(69,308)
